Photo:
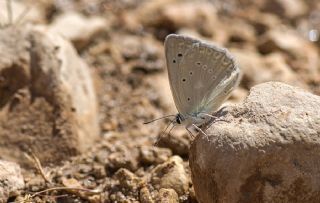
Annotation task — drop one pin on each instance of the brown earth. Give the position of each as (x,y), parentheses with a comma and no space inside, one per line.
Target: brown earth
(270,39)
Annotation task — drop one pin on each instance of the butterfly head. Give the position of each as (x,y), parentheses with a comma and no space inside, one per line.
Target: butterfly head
(197,119)
(179,118)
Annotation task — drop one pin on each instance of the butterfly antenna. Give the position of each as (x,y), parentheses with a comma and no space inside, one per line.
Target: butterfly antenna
(159,119)
(9,10)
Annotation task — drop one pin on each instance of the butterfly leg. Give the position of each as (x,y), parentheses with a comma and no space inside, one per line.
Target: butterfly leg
(200,130)
(211,116)
(163,132)
(190,133)
(215,118)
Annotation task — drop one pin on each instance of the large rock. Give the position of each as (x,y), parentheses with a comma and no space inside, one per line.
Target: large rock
(47,98)
(267,151)
(11,180)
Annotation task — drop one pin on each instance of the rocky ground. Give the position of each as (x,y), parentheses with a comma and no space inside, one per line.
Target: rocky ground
(79,78)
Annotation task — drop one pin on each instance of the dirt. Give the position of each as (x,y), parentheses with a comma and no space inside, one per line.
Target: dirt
(124,57)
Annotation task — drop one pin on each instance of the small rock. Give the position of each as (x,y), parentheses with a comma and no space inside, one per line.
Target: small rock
(168,196)
(154,155)
(261,21)
(123,159)
(128,180)
(301,54)
(11,179)
(143,54)
(235,27)
(145,196)
(171,174)
(159,82)
(178,141)
(77,28)
(267,152)
(286,8)
(98,171)
(258,69)
(173,15)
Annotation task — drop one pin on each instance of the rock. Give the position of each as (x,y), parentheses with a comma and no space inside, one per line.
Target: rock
(171,15)
(171,174)
(168,196)
(128,180)
(286,8)
(145,196)
(261,21)
(160,84)
(301,54)
(11,179)
(31,13)
(268,151)
(78,28)
(235,27)
(154,155)
(178,141)
(123,159)
(47,98)
(258,69)
(142,54)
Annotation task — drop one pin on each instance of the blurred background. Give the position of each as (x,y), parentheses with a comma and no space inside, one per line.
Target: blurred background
(121,41)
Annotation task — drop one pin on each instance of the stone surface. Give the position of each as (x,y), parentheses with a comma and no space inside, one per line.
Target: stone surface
(301,54)
(11,179)
(145,195)
(172,14)
(257,68)
(47,99)
(151,155)
(171,174)
(168,196)
(267,151)
(77,28)
(128,180)
(286,8)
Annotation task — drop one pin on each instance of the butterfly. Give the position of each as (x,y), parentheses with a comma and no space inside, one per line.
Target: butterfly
(201,77)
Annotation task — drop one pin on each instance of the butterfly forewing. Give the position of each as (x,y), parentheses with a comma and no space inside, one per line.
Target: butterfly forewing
(202,78)
(175,49)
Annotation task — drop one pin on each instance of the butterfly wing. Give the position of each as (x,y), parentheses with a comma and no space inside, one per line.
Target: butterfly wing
(176,47)
(202,78)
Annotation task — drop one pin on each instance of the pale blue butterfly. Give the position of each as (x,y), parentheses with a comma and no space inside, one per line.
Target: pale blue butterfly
(201,77)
